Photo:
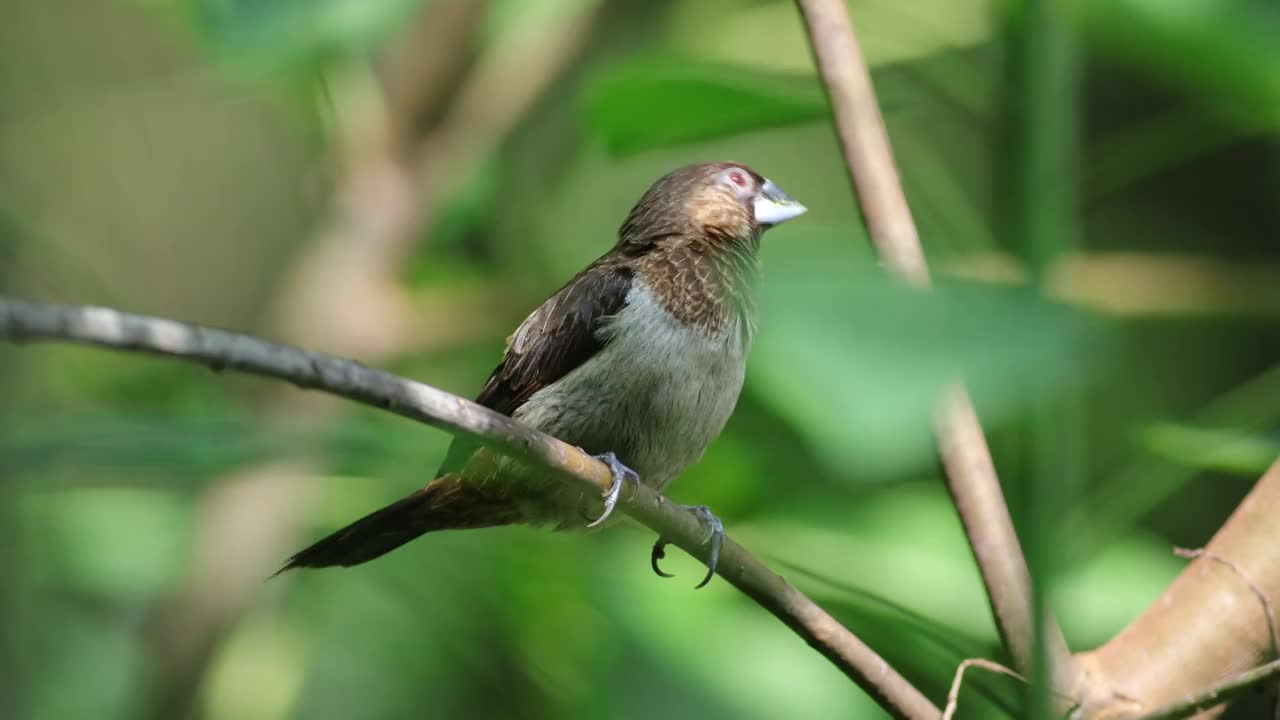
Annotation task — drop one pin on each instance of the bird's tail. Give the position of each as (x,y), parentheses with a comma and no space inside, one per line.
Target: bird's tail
(444,504)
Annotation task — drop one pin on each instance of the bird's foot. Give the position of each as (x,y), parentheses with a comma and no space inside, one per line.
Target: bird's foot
(620,474)
(716,538)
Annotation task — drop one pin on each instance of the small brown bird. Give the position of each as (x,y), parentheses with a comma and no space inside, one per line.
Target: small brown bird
(639,358)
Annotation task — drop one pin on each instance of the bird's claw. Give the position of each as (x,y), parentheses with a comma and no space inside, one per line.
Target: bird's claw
(620,474)
(659,552)
(717,541)
(716,538)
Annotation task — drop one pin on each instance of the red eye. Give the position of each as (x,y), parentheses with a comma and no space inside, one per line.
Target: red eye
(738,178)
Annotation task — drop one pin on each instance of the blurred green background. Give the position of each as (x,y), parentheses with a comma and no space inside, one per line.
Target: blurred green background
(1097,185)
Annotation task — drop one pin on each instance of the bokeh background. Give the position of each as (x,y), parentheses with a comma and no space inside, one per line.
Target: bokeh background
(401,181)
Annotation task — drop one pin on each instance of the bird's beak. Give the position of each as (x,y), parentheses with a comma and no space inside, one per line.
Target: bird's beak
(772,206)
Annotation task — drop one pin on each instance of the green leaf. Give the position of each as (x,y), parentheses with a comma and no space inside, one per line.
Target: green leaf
(1139,486)
(1226,51)
(774,673)
(140,449)
(103,540)
(658,102)
(1203,448)
(857,361)
(280,34)
(182,450)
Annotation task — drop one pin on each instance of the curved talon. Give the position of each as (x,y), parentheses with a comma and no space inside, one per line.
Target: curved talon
(659,552)
(620,474)
(717,541)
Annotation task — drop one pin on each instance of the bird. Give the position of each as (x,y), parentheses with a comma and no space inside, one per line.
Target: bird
(639,360)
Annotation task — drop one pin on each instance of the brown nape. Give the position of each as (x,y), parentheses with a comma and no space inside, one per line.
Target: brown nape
(445,504)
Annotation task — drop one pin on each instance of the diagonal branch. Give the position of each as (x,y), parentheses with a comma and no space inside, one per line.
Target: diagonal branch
(971,476)
(1218,694)
(22,321)
(1208,626)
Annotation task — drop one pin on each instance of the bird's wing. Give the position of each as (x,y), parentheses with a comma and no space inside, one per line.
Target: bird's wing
(555,339)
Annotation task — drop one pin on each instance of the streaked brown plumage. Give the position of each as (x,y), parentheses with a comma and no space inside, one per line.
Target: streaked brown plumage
(641,354)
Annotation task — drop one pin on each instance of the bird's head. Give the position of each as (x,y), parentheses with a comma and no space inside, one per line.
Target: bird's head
(712,201)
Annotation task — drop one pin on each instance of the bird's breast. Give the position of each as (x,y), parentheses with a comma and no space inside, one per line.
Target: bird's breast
(657,394)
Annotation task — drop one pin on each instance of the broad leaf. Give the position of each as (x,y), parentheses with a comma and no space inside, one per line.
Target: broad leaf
(280,34)
(857,361)
(657,102)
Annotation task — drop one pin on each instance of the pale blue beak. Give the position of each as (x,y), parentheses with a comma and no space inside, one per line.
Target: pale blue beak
(772,206)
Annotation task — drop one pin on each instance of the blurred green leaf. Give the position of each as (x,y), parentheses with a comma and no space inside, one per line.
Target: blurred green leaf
(122,526)
(1097,596)
(698,639)
(1220,449)
(1227,51)
(862,603)
(1151,145)
(447,256)
(888,548)
(279,34)
(857,360)
(180,451)
(257,672)
(891,543)
(925,661)
(82,666)
(658,101)
(1140,485)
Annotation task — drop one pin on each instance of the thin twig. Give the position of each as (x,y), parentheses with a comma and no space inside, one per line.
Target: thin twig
(1218,694)
(221,350)
(971,476)
(953,695)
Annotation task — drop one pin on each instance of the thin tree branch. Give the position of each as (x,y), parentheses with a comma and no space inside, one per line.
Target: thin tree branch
(421,70)
(221,350)
(953,695)
(971,476)
(1218,694)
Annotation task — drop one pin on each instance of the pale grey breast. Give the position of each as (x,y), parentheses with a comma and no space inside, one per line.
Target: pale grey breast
(657,394)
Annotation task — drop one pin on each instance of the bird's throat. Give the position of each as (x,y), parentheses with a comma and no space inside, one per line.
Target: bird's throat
(703,285)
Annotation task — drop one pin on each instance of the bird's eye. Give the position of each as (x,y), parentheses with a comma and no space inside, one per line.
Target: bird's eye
(737,178)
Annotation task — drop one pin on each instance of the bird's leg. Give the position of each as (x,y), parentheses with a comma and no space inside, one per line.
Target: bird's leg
(620,474)
(716,538)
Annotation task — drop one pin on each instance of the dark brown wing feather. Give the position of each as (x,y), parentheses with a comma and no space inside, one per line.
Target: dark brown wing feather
(556,338)
(549,344)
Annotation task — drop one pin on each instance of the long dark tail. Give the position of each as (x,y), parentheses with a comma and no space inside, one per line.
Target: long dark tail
(444,504)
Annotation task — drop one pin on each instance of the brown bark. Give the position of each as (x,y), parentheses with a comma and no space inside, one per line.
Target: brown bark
(1209,625)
